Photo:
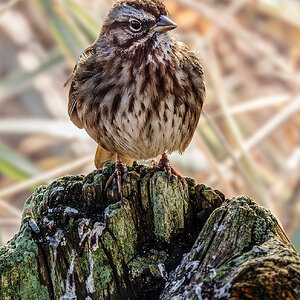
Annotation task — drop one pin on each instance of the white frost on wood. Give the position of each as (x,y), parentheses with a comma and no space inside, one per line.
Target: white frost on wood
(213,273)
(200,246)
(70,210)
(95,234)
(219,228)
(82,235)
(92,234)
(89,283)
(191,267)
(198,291)
(70,291)
(223,292)
(54,242)
(162,271)
(176,285)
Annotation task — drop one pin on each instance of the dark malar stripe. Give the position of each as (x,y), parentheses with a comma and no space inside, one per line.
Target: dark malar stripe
(129,42)
(160,83)
(146,79)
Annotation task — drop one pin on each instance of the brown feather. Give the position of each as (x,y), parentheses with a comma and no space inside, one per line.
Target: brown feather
(69,78)
(77,81)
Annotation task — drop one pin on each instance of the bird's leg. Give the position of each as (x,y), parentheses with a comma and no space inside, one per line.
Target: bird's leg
(119,169)
(164,163)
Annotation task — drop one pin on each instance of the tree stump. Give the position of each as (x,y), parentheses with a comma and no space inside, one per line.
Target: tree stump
(163,240)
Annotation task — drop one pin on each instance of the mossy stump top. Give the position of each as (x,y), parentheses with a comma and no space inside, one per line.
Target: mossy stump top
(163,240)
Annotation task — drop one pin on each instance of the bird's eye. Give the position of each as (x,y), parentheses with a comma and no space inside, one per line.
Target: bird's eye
(135,25)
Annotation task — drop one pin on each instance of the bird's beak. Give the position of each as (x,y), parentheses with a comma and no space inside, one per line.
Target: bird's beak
(163,24)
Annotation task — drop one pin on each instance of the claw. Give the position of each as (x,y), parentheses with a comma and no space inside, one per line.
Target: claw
(119,169)
(109,181)
(179,176)
(164,163)
(119,180)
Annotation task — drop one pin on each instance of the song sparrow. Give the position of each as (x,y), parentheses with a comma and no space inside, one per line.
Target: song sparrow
(136,90)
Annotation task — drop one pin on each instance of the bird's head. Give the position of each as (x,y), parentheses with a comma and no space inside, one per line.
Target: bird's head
(136,23)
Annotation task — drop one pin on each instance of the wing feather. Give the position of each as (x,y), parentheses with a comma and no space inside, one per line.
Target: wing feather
(77,80)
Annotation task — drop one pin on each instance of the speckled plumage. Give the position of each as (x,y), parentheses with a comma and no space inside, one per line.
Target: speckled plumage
(137,95)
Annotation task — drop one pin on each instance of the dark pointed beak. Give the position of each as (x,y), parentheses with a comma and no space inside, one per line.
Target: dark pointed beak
(164,24)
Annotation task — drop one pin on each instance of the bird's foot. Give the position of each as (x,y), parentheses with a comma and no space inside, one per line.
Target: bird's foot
(119,170)
(164,163)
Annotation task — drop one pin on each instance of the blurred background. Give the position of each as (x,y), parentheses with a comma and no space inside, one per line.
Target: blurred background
(248,144)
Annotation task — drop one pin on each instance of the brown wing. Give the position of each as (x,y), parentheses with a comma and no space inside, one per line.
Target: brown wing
(191,66)
(80,74)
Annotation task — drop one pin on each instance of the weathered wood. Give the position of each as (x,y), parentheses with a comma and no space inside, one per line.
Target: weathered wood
(239,254)
(78,241)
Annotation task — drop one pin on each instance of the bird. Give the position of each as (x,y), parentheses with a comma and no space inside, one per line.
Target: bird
(137,91)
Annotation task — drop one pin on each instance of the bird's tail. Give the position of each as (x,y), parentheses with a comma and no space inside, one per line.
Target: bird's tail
(102,156)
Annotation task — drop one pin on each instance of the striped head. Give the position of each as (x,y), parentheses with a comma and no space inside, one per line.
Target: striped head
(135,24)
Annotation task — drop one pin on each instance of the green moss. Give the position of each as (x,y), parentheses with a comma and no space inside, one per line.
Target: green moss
(220,194)
(30,287)
(121,224)
(239,245)
(108,168)
(98,178)
(32,205)
(210,195)
(220,272)
(263,221)
(190,181)
(261,229)
(71,224)
(147,264)
(18,268)
(170,206)
(103,274)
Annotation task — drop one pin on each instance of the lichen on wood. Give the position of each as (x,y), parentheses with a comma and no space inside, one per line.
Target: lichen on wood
(162,240)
